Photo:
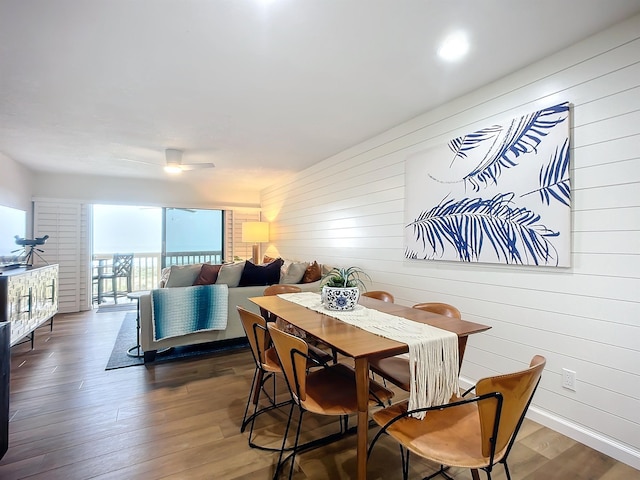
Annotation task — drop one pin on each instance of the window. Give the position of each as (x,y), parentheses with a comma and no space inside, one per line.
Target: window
(192,236)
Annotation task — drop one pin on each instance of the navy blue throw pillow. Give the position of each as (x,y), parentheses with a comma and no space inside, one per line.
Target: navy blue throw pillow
(253,275)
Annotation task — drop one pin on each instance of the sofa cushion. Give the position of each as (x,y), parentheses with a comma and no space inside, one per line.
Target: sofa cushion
(230,274)
(292,272)
(208,274)
(268,259)
(261,274)
(312,274)
(183,275)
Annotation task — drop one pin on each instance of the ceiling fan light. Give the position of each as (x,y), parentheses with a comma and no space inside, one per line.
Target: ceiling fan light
(173,169)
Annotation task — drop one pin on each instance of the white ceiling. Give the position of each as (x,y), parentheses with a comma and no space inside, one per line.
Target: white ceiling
(262,88)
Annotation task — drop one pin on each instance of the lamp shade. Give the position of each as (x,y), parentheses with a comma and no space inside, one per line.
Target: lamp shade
(255,232)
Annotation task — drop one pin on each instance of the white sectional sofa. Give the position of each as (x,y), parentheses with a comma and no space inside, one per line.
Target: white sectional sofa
(184,276)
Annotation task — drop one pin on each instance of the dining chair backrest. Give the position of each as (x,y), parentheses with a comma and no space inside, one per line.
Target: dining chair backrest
(293,353)
(276,290)
(439,308)
(280,288)
(380,295)
(255,328)
(517,390)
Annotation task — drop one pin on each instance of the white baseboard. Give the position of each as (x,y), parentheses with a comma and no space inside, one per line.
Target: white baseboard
(597,441)
(609,446)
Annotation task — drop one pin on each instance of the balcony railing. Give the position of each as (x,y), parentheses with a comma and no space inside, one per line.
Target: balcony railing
(146,270)
(187,258)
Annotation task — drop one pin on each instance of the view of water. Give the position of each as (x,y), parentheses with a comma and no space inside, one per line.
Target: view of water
(120,228)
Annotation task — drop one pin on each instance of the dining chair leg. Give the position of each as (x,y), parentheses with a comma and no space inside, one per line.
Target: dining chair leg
(252,395)
(253,422)
(344,424)
(284,442)
(404,454)
(295,444)
(257,386)
(441,471)
(506,470)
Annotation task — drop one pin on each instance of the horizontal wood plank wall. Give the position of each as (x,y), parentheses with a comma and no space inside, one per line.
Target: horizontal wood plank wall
(63,223)
(234,246)
(349,209)
(85,298)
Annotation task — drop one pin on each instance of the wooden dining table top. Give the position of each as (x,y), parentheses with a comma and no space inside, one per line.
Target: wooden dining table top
(355,342)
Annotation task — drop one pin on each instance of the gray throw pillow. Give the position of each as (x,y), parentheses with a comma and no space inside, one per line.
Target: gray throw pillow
(183,275)
(230,274)
(293,273)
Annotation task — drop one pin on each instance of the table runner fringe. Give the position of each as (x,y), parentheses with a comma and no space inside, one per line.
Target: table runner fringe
(428,345)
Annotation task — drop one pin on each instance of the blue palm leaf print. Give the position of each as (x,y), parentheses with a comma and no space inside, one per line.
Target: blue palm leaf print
(460,146)
(514,234)
(554,178)
(523,136)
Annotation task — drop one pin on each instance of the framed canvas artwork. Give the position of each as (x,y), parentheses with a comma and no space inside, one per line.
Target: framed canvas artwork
(501,194)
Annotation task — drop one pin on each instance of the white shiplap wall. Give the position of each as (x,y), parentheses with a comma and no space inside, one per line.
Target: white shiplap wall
(348,210)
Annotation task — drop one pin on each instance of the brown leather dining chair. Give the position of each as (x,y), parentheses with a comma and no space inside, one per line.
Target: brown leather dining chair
(330,390)
(267,366)
(475,433)
(396,369)
(380,295)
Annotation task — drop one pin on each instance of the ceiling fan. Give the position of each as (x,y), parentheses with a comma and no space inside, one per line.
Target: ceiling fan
(174,162)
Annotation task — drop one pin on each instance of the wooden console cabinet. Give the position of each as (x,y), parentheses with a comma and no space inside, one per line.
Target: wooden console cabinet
(28,298)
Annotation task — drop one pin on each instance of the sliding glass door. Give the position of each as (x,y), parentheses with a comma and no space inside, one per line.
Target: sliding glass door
(157,237)
(125,229)
(192,236)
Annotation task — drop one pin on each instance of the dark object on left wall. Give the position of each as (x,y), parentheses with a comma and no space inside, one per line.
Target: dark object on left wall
(5,359)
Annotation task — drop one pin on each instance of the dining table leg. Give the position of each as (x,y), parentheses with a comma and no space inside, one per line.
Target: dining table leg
(362,386)
(462,346)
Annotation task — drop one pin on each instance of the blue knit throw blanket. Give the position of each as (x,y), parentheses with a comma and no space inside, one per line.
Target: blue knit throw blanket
(180,311)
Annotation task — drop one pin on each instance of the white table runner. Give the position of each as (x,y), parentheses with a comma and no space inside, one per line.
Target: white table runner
(433,352)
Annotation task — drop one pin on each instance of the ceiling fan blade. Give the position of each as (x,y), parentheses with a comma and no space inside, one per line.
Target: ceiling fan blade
(196,166)
(141,162)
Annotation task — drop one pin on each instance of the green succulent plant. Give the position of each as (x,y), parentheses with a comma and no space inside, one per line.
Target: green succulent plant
(346,277)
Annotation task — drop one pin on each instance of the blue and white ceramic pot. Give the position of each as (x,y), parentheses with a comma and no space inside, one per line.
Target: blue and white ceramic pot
(340,298)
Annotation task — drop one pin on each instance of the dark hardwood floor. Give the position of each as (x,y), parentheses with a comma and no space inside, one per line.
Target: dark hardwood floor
(71,419)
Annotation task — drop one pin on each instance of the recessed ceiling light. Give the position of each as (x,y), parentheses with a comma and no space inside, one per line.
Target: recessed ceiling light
(454,47)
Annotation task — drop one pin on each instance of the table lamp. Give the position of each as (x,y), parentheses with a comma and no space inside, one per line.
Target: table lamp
(255,232)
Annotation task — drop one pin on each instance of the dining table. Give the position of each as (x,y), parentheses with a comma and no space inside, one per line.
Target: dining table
(361,345)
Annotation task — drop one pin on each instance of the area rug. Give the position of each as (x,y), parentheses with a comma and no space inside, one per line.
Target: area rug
(127,338)
(119,307)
